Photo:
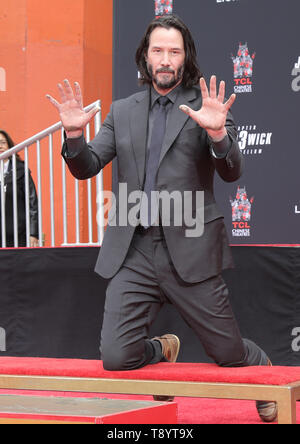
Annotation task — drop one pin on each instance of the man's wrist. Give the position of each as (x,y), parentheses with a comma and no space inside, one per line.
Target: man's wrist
(73,134)
(217,136)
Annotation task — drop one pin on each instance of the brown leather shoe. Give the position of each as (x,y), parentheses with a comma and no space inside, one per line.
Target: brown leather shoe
(267,410)
(170,346)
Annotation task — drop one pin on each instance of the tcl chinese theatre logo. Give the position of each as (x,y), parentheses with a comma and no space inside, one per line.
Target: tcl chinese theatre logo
(163,7)
(243,69)
(241,213)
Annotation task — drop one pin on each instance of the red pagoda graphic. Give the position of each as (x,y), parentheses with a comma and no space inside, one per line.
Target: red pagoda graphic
(243,62)
(241,206)
(163,7)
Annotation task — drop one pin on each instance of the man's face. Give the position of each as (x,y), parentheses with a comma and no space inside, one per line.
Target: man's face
(165,58)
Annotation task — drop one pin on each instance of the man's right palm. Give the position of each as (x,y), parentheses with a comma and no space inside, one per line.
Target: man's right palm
(72,114)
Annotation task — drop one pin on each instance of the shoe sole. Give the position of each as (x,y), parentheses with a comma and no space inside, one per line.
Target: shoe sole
(263,412)
(174,337)
(166,398)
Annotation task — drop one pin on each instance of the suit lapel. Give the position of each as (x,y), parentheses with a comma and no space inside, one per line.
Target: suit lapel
(176,120)
(139,128)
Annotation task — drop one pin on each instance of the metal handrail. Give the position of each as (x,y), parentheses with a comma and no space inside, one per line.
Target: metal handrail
(42,135)
(24,146)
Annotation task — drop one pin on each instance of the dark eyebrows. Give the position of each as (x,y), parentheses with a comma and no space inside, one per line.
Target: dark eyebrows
(171,49)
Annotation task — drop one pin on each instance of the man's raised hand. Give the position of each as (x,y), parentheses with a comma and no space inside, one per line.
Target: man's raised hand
(72,114)
(212,115)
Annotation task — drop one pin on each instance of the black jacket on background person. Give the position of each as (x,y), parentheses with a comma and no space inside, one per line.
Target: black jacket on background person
(33,204)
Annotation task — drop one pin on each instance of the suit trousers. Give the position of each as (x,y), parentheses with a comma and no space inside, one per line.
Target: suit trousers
(146,281)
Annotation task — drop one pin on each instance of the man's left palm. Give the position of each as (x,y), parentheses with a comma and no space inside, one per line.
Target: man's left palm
(212,115)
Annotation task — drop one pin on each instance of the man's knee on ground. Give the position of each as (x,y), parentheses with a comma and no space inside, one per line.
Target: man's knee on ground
(231,358)
(116,359)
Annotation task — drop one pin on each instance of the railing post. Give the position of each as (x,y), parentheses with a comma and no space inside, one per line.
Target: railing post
(51,189)
(89,194)
(40,205)
(99,181)
(3,215)
(27,204)
(77,222)
(64,195)
(15,201)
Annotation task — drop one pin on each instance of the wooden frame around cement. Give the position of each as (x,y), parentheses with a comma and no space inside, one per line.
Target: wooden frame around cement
(286,396)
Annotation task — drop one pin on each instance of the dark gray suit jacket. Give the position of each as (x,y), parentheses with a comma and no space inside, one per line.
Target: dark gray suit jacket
(187,163)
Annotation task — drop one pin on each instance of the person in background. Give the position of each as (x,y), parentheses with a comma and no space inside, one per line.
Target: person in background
(5,144)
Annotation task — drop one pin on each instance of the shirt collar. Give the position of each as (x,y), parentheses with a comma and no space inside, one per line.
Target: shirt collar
(172,96)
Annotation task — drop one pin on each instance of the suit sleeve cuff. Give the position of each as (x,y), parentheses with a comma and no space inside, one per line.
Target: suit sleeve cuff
(72,147)
(222,148)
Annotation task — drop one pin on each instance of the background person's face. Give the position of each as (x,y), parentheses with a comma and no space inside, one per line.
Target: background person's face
(165,58)
(3,143)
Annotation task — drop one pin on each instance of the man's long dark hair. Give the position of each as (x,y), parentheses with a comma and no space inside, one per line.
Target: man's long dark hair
(192,73)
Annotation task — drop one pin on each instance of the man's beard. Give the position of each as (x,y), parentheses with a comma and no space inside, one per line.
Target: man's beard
(167,84)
